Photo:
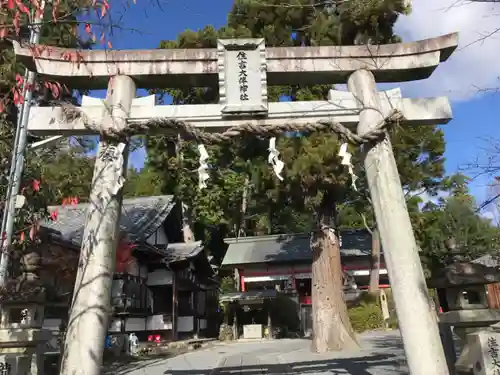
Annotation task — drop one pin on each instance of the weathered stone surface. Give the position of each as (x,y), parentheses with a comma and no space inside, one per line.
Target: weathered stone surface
(242,76)
(416,317)
(482,354)
(226,332)
(198,67)
(21,345)
(464,274)
(10,337)
(340,107)
(470,318)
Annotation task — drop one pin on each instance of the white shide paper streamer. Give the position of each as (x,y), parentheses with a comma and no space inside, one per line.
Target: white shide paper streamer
(118,165)
(273,158)
(203,175)
(346,160)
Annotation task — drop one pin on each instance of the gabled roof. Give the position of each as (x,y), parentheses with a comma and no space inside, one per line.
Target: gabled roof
(141,217)
(290,247)
(487,261)
(179,251)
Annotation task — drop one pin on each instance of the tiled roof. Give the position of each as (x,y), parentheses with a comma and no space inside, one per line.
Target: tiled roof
(290,247)
(248,295)
(487,260)
(176,252)
(141,217)
(349,296)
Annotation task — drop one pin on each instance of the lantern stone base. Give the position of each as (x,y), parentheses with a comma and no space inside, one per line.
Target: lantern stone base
(481,356)
(22,350)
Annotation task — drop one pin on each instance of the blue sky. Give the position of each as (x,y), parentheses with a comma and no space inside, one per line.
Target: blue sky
(475,120)
(146,24)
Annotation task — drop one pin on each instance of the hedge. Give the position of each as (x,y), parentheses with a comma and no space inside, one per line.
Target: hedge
(367,314)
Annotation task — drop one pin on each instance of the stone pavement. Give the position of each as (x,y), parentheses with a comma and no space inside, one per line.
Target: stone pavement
(381,353)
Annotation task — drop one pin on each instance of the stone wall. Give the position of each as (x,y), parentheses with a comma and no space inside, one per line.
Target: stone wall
(58,271)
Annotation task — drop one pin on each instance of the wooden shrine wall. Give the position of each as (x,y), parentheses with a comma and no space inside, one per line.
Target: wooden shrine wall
(494,296)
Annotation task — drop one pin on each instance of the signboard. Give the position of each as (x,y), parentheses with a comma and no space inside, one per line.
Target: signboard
(242,76)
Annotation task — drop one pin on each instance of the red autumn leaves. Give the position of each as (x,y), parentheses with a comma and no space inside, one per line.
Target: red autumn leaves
(123,255)
(123,251)
(18,9)
(35,184)
(23,13)
(33,229)
(73,201)
(88,31)
(17,91)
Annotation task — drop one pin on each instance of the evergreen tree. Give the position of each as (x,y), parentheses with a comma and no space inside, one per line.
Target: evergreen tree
(451,229)
(144,183)
(315,183)
(44,179)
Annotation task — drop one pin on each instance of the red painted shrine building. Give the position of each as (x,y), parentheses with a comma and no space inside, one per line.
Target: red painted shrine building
(283,262)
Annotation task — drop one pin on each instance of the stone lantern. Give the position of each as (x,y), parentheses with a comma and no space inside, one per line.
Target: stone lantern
(466,311)
(22,339)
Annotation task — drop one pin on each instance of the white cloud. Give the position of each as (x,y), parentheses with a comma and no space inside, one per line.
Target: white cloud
(473,64)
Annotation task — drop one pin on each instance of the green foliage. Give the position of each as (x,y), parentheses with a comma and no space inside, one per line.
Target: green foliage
(64,173)
(312,165)
(318,23)
(366,314)
(142,183)
(50,174)
(227,285)
(452,230)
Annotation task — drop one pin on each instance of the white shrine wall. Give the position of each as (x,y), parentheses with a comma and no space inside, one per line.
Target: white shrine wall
(160,277)
(158,238)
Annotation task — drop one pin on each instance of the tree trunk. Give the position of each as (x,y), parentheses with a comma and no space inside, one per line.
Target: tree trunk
(175,305)
(186,211)
(242,230)
(375,264)
(187,223)
(331,326)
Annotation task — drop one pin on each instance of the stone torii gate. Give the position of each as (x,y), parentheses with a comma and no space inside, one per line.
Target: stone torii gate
(242,68)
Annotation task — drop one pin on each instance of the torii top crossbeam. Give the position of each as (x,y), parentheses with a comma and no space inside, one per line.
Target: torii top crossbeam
(242,69)
(199,67)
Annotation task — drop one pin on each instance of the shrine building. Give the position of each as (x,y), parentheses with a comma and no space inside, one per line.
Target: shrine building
(282,264)
(163,289)
(284,261)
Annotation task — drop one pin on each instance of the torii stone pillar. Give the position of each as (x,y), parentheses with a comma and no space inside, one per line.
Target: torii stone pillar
(246,102)
(417,319)
(91,306)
